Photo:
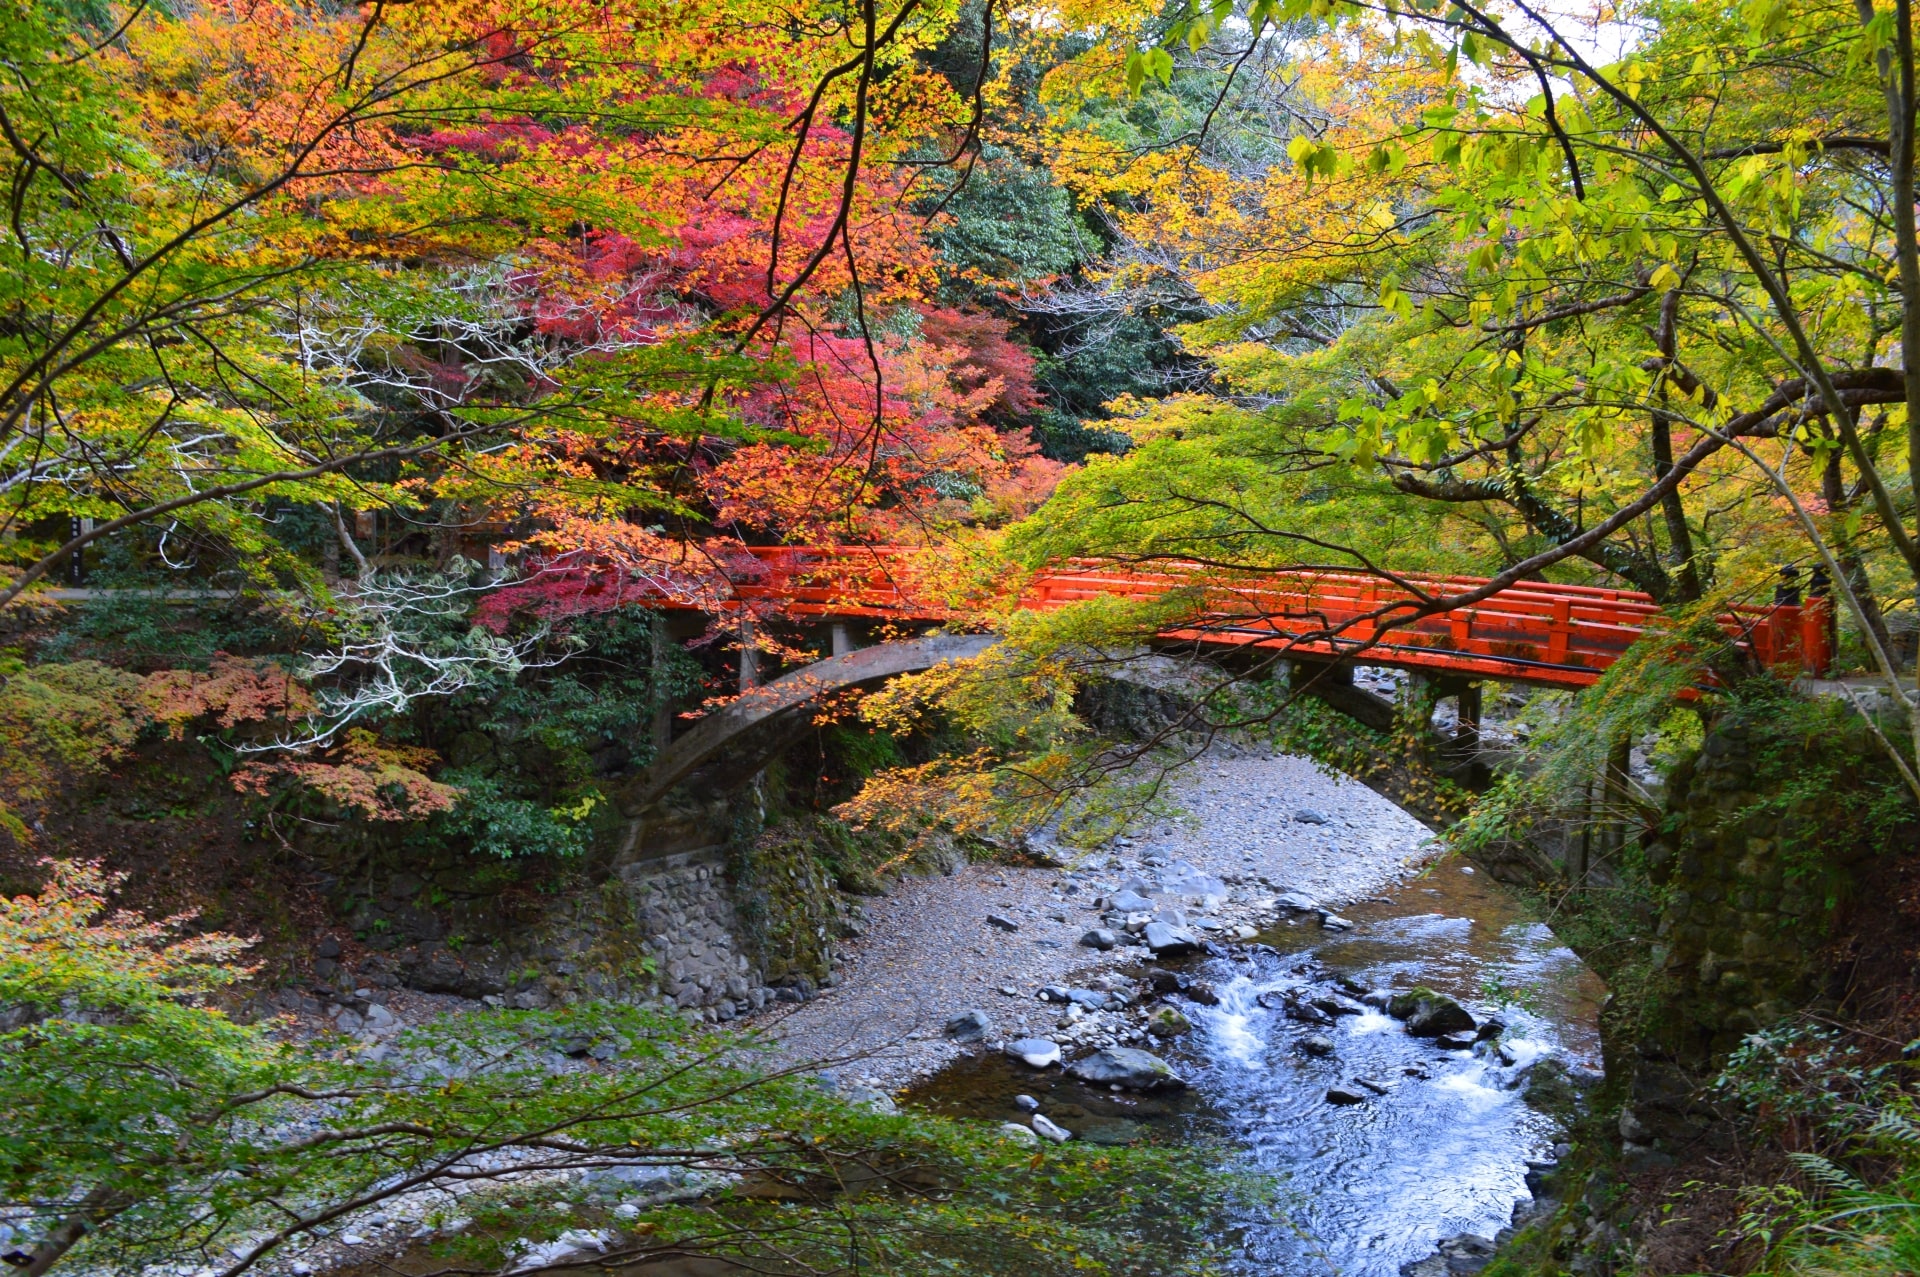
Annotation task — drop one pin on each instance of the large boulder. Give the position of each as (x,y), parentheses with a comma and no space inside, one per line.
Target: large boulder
(1429,1014)
(1127,1067)
(970,1026)
(1170,942)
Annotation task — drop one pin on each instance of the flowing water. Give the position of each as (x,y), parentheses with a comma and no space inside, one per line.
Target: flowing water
(1367,1187)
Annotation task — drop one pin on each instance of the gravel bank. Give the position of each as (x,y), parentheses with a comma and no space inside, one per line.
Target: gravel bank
(930,952)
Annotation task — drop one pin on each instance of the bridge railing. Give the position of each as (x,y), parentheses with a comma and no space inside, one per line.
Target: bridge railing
(1563,635)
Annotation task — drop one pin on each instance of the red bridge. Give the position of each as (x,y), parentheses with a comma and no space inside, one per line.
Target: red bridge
(1529,632)
(1556,635)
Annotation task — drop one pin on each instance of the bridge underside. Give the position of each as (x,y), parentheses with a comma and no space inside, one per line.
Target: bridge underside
(729,746)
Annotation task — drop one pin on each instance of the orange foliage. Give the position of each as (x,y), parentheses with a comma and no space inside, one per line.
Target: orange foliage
(370,778)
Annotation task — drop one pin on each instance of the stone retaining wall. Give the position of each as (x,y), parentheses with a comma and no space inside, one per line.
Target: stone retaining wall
(1742,918)
(684,910)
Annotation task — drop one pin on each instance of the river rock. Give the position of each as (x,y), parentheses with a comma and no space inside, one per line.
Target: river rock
(1308,816)
(1203,993)
(1429,1014)
(1334,922)
(1169,942)
(1003,922)
(1127,1067)
(1019,1134)
(1316,1044)
(1132,902)
(1047,1129)
(1100,938)
(970,1026)
(869,1097)
(1377,1087)
(1165,982)
(1184,879)
(1345,1095)
(1026,1104)
(1037,1053)
(1294,902)
(1112,1132)
(1459,1256)
(1090,999)
(1167,1022)
(1306,1014)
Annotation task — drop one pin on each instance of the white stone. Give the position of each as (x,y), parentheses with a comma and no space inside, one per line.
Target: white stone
(1018,1134)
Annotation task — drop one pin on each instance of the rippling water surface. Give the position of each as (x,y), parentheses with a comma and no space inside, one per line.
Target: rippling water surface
(1362,1188)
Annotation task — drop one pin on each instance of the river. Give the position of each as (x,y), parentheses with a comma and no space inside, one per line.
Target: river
(1362,1188)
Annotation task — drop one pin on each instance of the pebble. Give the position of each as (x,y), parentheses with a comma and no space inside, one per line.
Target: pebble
(1047,1128)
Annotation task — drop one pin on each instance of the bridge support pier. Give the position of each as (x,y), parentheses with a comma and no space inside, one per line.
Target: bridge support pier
(1466,729)
(1332,682)
(749,657)
(662,725)
(841,637)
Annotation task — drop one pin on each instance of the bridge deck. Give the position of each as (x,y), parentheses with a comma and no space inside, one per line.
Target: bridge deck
(1531,632)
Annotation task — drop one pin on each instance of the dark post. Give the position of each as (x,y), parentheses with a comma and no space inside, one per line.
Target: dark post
(1466,730)
(749,656)
(662,708)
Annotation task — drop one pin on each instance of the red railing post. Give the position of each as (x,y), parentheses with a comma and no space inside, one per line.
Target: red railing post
(1559,630)
(1817,637)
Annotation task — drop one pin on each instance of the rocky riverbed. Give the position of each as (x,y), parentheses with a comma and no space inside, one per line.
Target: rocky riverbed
(1265,840)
